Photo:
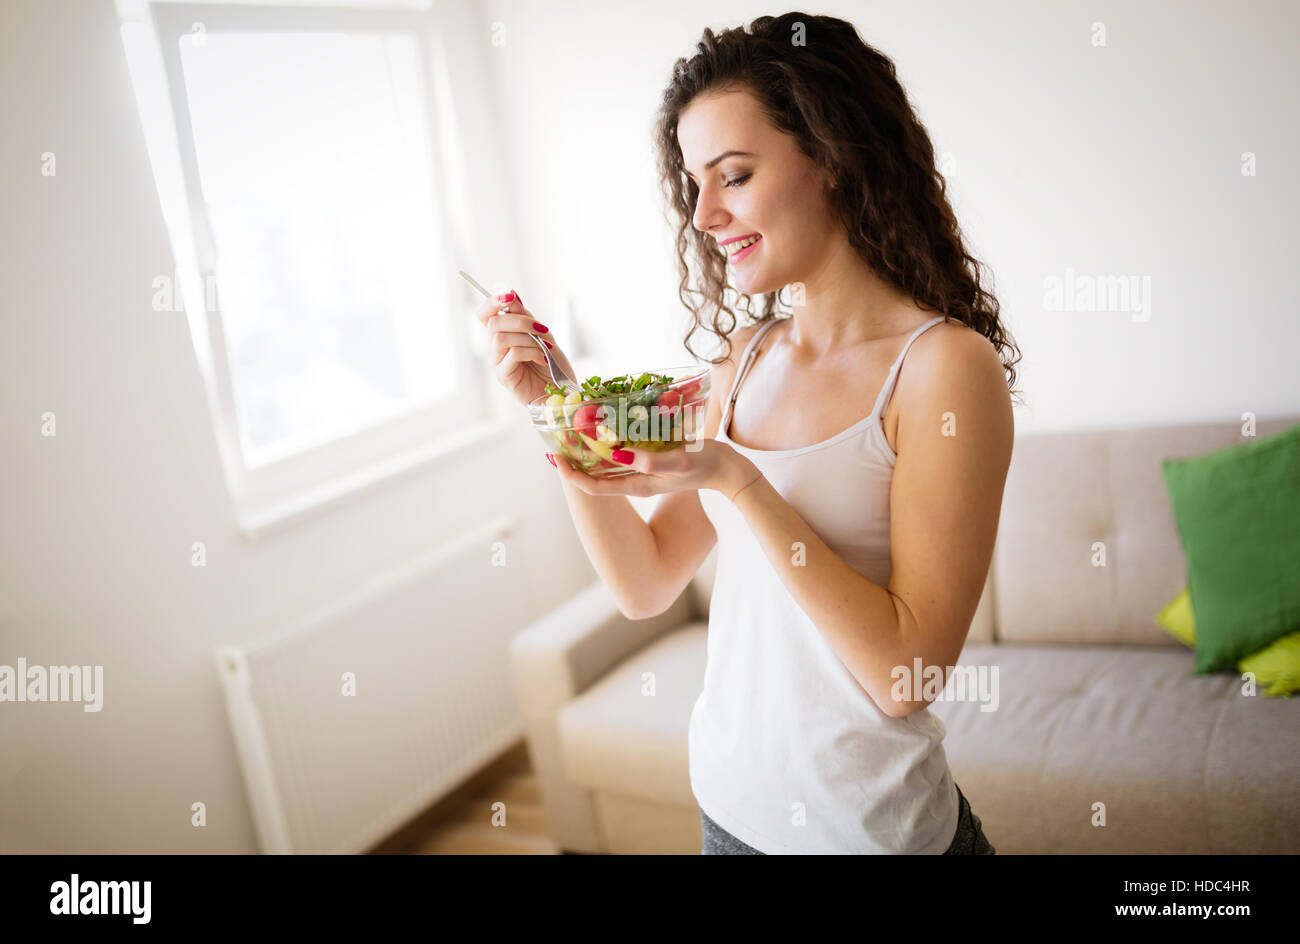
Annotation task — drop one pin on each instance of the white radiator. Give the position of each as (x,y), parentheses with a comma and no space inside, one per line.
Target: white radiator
(427,643)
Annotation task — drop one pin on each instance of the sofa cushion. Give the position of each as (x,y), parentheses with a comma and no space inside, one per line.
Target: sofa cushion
(1238,514)
(613,737)
(1183,763)
(1065,491)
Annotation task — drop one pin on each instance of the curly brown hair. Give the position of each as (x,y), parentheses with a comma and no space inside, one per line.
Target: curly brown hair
(842,102)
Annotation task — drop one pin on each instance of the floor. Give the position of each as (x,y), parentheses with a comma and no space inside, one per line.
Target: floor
(463,823)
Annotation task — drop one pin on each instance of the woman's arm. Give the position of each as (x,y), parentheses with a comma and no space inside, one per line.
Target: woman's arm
(955,434)
(646,565)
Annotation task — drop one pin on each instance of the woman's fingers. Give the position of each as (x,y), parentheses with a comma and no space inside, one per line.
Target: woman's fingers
(511,324)
(490,307)
(511,316)
(504,342)
(581,480)
(519,324)
(514,356)
(504,339)
(641,486)
(512,319)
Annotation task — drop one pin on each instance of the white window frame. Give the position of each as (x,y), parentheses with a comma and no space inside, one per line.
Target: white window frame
(285,489)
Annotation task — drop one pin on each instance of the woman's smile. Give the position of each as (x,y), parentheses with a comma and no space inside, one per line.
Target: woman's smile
(747,247)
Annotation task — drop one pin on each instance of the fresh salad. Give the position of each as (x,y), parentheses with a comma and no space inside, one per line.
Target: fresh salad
(648,411)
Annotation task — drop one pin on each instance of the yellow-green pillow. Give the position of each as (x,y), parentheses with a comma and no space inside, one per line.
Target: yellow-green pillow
(1277,665)
(1179,618)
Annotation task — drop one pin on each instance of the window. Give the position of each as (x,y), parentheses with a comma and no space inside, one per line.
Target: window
(296,161)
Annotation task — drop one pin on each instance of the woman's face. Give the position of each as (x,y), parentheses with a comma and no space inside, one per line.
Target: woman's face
(771,189)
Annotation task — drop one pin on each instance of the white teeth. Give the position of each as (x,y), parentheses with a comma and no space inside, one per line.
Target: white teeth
(736,247)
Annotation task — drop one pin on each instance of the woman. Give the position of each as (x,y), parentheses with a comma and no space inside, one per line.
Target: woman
(849,546)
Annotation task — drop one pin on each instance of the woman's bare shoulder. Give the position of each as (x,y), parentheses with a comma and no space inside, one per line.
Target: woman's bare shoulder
(954,361)
(953,341)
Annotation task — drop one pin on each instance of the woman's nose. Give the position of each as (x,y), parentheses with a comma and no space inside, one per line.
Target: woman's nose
(708,211)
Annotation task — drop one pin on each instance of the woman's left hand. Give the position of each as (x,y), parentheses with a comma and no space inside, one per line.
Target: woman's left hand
(713,465)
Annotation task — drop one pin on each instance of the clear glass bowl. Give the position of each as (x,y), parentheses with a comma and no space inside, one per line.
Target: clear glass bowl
(655,417)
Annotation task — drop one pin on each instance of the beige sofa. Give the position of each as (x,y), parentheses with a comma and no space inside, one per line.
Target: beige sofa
(1097,704)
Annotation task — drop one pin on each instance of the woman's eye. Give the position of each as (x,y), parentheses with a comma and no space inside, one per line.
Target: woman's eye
(738,181)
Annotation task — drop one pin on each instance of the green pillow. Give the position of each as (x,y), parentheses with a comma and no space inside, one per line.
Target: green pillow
(1276,666)
(1238,516)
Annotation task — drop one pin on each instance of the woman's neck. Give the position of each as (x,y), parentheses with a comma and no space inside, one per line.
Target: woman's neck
(845,304)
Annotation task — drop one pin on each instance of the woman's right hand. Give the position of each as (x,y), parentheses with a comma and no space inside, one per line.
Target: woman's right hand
(517,362)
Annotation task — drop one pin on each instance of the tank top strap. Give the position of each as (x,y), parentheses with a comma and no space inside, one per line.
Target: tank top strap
(887,391)
(746,358)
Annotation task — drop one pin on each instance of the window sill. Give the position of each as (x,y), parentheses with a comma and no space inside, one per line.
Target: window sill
(257,523)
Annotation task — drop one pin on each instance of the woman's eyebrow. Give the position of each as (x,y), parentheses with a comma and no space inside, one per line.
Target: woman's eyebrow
(713,163)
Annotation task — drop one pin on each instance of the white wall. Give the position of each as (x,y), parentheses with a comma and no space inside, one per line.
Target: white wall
(97,522)
(1114,161)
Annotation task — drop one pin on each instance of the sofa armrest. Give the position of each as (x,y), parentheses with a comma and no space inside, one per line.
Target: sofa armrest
(556,658)
(565,651)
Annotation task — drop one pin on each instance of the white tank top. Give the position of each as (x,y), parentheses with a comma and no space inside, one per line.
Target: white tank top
(787,752)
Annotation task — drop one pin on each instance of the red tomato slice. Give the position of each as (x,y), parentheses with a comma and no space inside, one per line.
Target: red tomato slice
(688,390)
(585,419)
(669,400)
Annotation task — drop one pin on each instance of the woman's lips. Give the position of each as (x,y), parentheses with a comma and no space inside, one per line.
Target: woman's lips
(740,256)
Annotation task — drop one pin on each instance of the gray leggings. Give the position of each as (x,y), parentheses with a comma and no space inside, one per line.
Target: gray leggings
(968,840)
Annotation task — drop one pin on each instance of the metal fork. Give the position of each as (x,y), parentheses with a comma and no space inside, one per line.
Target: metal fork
(558,373)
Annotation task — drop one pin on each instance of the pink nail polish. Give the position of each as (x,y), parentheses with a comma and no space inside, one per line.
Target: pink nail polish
(538,326)
(551,459)
(548,344)
(623,456)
